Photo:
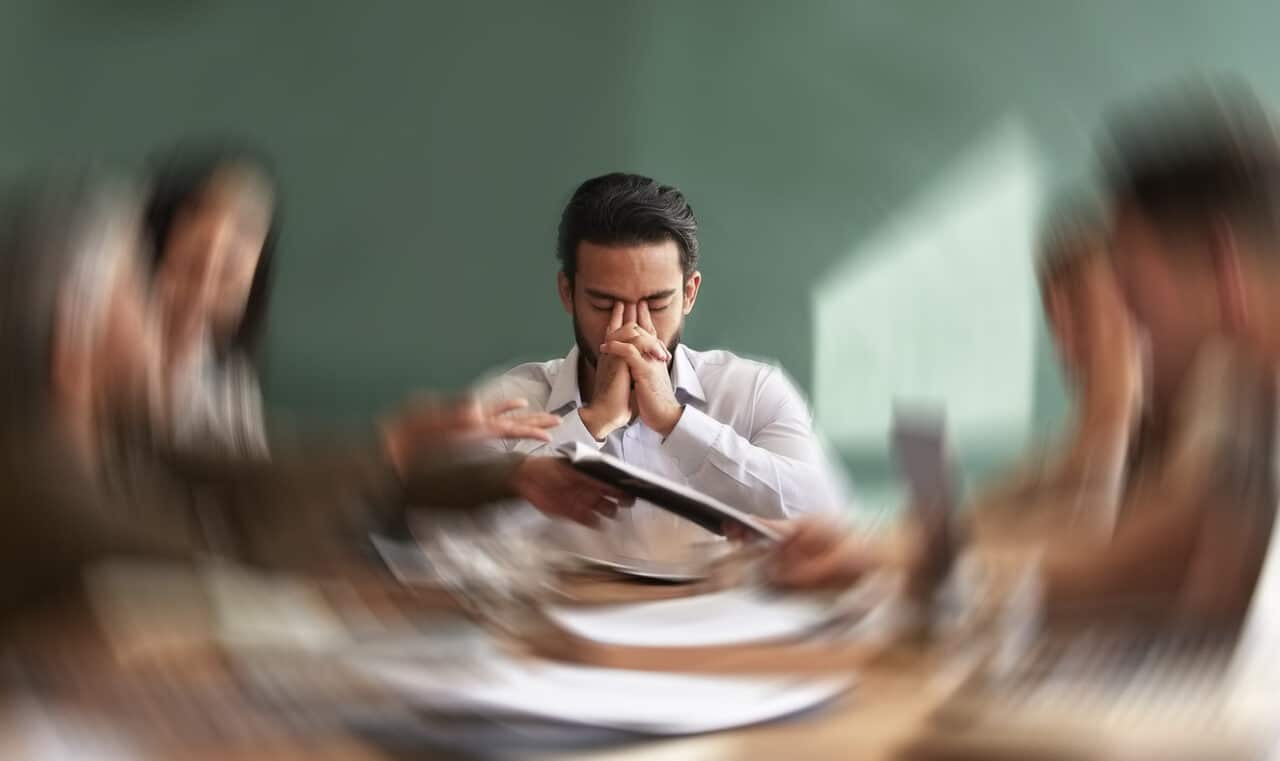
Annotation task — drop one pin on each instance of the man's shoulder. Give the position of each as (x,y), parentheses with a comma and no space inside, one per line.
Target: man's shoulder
(528,380)
(723,363)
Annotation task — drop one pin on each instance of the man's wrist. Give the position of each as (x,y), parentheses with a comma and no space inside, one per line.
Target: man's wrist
(599,426)
(668,421)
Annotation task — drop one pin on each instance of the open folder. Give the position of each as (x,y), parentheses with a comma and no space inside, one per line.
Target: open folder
(690,504)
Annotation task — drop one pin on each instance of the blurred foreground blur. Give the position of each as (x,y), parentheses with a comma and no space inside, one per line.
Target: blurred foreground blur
(176,584)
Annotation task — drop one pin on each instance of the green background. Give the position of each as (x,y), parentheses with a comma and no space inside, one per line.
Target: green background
(425,148)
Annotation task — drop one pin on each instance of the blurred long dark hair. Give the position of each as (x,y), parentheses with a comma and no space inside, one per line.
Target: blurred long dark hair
(178,179)
(51,230)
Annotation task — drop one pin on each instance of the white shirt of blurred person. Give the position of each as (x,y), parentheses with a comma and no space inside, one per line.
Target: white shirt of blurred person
(210,224)
(84,350)
(1194,190)
(733,428)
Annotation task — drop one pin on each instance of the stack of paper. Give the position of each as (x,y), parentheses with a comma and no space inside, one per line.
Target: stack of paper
(476,678)
(494,683)
(732,617)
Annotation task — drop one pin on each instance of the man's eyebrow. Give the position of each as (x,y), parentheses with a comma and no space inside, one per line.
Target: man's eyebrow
(606,296)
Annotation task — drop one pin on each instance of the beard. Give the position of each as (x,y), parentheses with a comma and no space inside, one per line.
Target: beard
(591,354)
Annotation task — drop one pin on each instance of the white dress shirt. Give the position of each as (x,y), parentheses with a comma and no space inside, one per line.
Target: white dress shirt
(745,438)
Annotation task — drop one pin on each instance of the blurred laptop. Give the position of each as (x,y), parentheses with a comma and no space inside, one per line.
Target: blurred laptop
(1181,693)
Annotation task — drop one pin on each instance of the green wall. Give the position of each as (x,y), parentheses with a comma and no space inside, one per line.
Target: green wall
(425,148)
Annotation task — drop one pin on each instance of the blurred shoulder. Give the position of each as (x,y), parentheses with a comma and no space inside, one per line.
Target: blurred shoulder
(530,380)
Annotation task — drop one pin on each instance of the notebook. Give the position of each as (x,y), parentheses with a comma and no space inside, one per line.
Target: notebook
(705,511)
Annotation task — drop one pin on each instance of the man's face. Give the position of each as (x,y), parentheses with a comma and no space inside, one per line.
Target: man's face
(647,273)
(213,250)
(1173,295)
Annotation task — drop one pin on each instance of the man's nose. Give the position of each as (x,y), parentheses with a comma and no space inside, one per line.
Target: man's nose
(630,312)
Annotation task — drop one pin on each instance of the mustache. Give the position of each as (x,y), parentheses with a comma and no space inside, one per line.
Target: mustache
(588,351)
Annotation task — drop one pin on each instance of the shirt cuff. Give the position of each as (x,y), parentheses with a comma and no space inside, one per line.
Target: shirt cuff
(692,439)
(572,429)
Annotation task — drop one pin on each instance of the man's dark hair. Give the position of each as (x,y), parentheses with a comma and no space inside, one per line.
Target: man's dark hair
(179,178)
(1200,152)
(626,209)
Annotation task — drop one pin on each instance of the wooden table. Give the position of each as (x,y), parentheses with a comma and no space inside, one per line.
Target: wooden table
(71,672)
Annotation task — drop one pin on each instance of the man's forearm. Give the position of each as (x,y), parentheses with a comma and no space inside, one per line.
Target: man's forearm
(1146,561)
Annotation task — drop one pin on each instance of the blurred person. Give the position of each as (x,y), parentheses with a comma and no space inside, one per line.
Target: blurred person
(81,350)
(732,428)
(1077,485)
(1193,185)
(211,225)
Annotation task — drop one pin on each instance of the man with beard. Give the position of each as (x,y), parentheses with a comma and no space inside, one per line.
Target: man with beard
(729,427)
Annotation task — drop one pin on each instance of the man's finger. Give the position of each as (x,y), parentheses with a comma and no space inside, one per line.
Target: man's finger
(645,319)
(606,507)
(837,565)
(515,428)
(622,350)
(535,419)
(517,431)
(806,535)
(625,331)
(509,405)
(629,354)
(741,533)
(648,344)
(573,484)
(615,319)
(588,485)
(806,539)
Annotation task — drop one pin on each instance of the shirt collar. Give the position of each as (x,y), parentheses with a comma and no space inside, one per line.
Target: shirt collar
(684,378)
(565,393)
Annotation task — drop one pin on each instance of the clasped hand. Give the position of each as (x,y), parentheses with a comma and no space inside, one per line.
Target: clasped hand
(633,377)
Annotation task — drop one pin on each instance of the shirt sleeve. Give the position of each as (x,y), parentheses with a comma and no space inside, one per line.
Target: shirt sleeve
(571,430)
(781,471)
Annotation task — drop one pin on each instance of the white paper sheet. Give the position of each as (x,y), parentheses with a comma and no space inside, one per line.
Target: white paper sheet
(732,617)
(259,610)
(494,682)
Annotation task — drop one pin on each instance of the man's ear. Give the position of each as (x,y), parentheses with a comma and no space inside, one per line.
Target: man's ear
(1233,295)
(565,286)
(691,286)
